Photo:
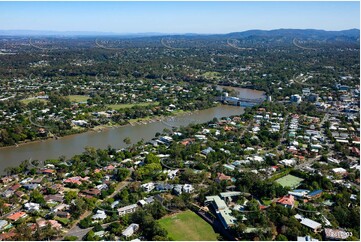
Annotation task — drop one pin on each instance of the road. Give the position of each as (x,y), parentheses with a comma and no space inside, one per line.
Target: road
(79,232)
(11,212)
(246,128)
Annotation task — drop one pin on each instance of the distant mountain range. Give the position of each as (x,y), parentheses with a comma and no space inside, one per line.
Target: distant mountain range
(294,33)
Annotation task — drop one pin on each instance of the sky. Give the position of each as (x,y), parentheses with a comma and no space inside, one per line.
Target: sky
(177,17)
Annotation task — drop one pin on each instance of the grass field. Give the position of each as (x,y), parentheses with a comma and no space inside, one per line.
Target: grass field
(28,100)
(120,106)
(188,226)
(78,98)
(289,181)
(211,74)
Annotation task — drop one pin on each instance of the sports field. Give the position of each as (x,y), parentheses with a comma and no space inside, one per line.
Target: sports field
(28,100)
(289,181)
(187,226)
(78,98)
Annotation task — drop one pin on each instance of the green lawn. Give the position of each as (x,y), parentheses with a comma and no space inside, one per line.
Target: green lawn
(290,181)
(211,74)
(28,100)
(78,98)
(63,221)
(266,202)
(129,105)
(188,226)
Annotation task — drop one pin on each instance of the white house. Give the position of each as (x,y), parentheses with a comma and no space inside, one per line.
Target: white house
(188,188)
(32,206)
(148,186)
(127,209)
(99,215)
(315,226)
(288,162)
(130,230)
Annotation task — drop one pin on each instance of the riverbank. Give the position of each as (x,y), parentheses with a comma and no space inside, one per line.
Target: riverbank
(69,146)
(142,121)
(100,128)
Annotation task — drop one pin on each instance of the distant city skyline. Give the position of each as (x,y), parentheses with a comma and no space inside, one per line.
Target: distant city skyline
(178,17)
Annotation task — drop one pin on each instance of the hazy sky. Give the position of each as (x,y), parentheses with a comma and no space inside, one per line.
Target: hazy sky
(177,17)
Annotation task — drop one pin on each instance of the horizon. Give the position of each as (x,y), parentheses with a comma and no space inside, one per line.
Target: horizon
(177,17)
(80,33)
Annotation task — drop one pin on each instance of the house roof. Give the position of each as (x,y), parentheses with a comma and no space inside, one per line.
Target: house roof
(308,222)
(7,236)
(287,200)
(16,215)
(314,193)
(222,177)
(133,206)
(92,191)
(48,171)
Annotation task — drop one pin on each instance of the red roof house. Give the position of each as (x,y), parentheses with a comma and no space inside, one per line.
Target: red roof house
(287,201)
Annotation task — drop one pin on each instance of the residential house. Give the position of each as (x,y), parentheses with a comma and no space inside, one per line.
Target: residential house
(92,192)
(163,187)
(15,187)
(53,223)
(3,224)
(48,171)
(188,188)
(130,230)
(31,186)
(299,193)
(287,201)
(127,209)
(60,207)
(7,236)
(100,215)
(17,215)
(146,201)
(63,214)
(148,187)
(314,194)
(207,151)
(339,170)
(53,198)
(306,238)
(32,207)
(315,226)
(7,193)
(177,189)
(222,177)
(223,212)
(6,179)
(288,162)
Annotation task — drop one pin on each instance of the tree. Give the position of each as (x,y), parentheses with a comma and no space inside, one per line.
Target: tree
(127,140)
(69,196)
(85,223)
(70,238)
(151,158)
(37,197)
(90,236)
(281,237)
(121,174)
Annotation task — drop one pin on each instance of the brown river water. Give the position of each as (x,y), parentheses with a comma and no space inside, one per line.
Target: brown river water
(71,145)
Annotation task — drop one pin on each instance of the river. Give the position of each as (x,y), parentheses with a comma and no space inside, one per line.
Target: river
(70,145)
